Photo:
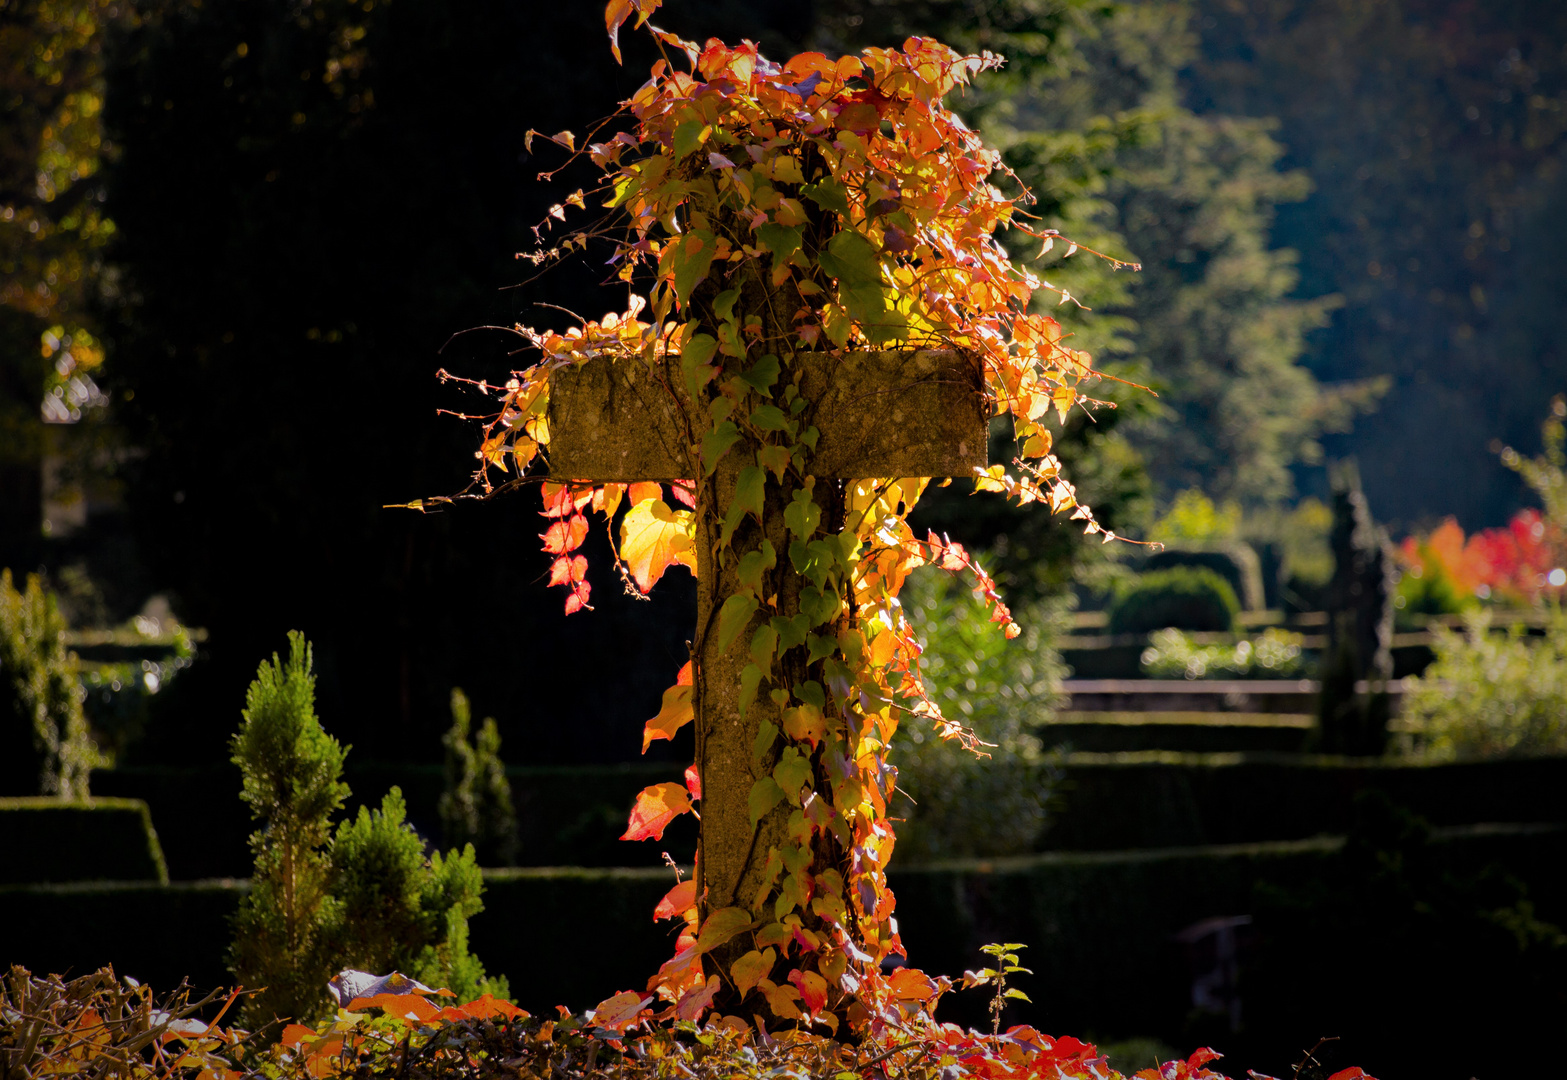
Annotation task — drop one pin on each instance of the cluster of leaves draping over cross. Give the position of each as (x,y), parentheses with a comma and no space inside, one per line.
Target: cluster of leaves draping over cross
(102,1025)
(870,209)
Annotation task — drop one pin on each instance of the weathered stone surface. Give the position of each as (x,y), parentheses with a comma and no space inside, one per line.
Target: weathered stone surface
(889,413)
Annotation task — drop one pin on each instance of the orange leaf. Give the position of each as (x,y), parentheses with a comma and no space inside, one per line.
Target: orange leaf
(294,1034)
(405,1006)
(911,984)
(620,1012)
(805,724)
(564,536)
(653,538)
(643,491)
(677,901)
(752,968)
(655,808)
(675,713)
(487,1006)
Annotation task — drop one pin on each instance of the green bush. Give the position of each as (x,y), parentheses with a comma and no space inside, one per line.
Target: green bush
(1185,597)
(1490,695)
(958,804)
(476,807)
(45,747)
(367,897)
(1172,654)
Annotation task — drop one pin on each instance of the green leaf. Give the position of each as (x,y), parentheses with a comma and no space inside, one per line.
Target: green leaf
(821,645)
(733,617)
(781,240)
(791,631)
(792,772)
(769,418)
(811,693)
(775,459)
(1018,994)
(753,564)
(689,259)
(722,925)
(750,679)
(765,794)
(764,643)
(802,515)
(762,374)
(829,195)
(724,304)
(852,259)
(821,605)
(688,136)
(716,443)
(766,734)
(749,490)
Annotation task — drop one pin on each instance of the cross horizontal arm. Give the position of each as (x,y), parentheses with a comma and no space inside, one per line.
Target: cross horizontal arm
(888,413)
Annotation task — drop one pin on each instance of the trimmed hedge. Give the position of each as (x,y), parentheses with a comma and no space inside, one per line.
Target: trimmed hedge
(566,815)
(1187,597)
(1156,799)
(1100,928)
(1187,732)
(1107,801)
(48,840)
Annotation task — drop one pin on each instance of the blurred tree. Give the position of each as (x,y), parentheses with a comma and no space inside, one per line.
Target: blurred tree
(52,234)
(1433,132)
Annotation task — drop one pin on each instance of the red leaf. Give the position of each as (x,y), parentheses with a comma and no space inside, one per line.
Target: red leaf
(1354,1072)
(564,536)
(1204,1054)
(578,598)
(655,808)
(813,988)
(568,569)
(693,782)
(677,901)
(685,491)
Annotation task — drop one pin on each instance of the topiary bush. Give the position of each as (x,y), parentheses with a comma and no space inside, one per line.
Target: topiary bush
(476,807)
(366,897)
(45,746)
(1185,597)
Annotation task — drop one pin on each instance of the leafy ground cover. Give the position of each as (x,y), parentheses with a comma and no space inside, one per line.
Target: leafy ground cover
(101,1024)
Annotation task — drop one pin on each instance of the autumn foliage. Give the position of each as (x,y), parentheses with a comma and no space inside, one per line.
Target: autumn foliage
(759,211)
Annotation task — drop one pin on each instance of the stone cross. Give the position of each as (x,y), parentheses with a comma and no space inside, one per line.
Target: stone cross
(900,413)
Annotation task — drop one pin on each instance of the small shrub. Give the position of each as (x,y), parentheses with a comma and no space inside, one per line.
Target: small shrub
(45,747)
(1185,597)
(292,773)
(367,897)
(401,911)
(1490,695)
(476,807)
(959,805)
(1275,654)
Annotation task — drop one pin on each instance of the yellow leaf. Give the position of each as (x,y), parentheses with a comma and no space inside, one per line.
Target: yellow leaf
(653,538)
